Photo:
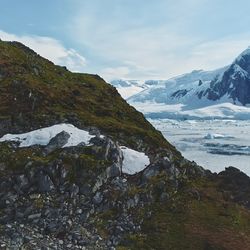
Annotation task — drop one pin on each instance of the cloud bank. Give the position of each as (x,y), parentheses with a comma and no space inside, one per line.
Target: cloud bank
(51,49)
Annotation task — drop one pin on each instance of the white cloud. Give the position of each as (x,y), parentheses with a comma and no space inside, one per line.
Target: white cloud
(51,49)
(115,73)
(217,53)
(153,43)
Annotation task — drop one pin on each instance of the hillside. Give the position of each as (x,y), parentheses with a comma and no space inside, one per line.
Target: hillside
(81,169)
(35,93)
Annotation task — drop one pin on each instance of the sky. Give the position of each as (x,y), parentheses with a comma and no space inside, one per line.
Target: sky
(130,39)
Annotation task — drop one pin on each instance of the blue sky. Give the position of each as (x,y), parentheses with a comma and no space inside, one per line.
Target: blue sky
(139,39)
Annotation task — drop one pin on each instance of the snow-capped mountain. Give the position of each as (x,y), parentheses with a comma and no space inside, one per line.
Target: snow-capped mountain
(186,89)
(201,88)
(221,93)
(234,83)
(128,88)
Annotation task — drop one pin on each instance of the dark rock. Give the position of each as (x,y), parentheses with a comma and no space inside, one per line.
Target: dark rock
(6,184)
(164,197)
(113,171)
(150,171)
(45,184)
(22,182)
(233,83)
(74,190)
(237,184)
(34,216)
(53,227)
(57,142)
(120,184)
(97,199)
(95,131)
(2,166)
(85,189)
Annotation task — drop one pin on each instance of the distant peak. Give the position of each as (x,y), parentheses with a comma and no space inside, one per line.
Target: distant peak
(246,52)
(197,71)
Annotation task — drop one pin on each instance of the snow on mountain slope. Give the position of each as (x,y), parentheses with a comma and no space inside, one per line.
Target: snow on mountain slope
(202,94)
(128,88)
(234,83)
(183,89)
(127,92)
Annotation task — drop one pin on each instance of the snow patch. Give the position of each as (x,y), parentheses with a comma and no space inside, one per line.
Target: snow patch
(133,161)
(44,135)
(127,92)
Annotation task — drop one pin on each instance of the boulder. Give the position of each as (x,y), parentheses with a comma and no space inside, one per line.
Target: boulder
(22,182)
(57,142)
(45,184)
(97,199)
(113,171)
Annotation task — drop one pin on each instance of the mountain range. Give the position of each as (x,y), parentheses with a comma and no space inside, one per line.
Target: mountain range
(82,169)
(197,94)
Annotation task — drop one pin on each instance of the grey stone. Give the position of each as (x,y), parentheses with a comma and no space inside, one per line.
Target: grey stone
(113,171)
(22,181)
(74,190)
(97,199)
(85,189)
(34,216)
(57,142)
(45,184)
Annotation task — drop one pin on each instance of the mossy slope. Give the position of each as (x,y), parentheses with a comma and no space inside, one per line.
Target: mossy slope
(34,92)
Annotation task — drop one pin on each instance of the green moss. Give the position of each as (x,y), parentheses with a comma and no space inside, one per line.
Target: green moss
(58,95)
(39,203)
(101,221)
(16,158)
(185,222)
(82,169)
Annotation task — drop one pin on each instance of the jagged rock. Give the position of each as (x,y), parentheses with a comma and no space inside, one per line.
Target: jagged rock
(57,142)
(133,202)
(164,197)
(160,165)
(45,184)
(74,190)
(150,171)
(2,166)
(22,182)
(95,131)
(113,171)
(97,199)
(111,149)
(53,227)
(5,184)
(34,216)
(85,189)
(120,184)
(101,179)
(235,182)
